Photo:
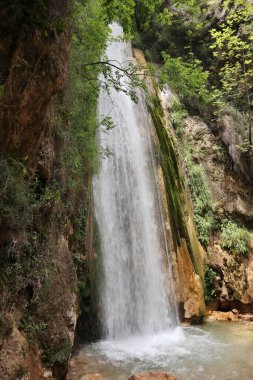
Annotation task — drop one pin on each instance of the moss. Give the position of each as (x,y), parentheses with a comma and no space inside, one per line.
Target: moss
(173,180)
(182,224)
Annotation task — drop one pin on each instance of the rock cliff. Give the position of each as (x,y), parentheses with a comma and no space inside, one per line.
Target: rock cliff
(38,281)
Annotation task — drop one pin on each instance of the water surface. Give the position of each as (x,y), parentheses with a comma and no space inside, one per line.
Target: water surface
(214,351)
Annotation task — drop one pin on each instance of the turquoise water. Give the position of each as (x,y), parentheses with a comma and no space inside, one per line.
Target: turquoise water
(214,351)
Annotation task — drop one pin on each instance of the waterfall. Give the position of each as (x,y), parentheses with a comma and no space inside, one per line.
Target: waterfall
(133,296)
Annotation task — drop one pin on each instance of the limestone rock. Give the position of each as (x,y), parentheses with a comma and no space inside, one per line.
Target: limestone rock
(92,376)
(233,316)
(153,376)
(237,279)
(48,375)
(225,316)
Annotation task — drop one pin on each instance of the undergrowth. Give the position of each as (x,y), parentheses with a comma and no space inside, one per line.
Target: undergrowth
(235,239)
(210,275)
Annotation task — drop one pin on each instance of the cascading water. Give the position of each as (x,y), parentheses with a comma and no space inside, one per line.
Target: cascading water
(133,296)
(136,311)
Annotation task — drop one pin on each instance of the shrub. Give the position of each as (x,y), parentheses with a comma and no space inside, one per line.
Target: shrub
(235,239)
(203,212)
(32,328)
(58,354)
(210,275)
(16,196)
(198,185)
(187,79)
(205,224)
(178,115)
(219,155)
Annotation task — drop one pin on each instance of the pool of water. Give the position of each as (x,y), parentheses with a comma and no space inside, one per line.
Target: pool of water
(214,351)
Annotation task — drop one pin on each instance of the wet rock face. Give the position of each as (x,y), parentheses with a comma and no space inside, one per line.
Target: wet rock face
(189,288)
(153,376)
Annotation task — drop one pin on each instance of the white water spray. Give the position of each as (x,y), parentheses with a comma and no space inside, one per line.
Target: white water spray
(133,297)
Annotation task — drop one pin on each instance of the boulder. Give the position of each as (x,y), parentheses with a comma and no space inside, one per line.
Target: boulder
(92,376)
(153,376)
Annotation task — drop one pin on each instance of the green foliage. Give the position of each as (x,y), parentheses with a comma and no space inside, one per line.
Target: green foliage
(22,266)
(76,114)
(16,196)
(205,224)
(76,111)
(178,115)
(233,49)
(57,354)
(203,209)
(235,239)
(31,327)
(147,12)
(219,155)
(49,195)
(187,79)
(168,26)
(207,60)
(80,222)
(40,14)
(157,13)
(122,11)
(198,184)
(245,147)
(210,275)
(84,289)
(203,212)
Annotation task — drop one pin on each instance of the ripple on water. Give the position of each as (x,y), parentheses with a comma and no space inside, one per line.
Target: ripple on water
(215,351)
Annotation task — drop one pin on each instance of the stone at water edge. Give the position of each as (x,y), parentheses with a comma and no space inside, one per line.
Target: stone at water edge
(153,376)
(92,376)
